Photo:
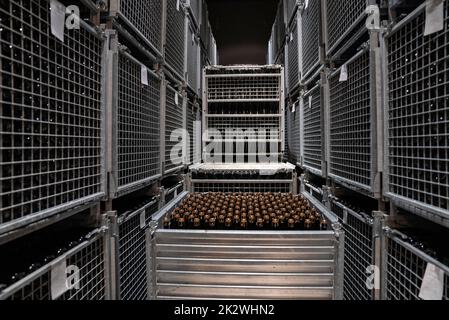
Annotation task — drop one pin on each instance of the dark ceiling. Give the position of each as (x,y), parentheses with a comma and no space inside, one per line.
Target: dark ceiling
(242,29)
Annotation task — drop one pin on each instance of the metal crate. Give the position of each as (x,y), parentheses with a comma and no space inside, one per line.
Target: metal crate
(344,21)
(313,142)
(293,52)
(174,122)
(51,116)
(174,51)
(213,264)
(417,117)
(131,251)
(135,123)
(405,269)
(192,58)
(351,125)
(144,18)
(89,258)
(359,250)
(310,38)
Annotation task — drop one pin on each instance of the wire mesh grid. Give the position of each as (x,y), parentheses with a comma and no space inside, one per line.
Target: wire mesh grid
(341,18)
(173,121)
(418,113)
(50,115)
(310,20)
(193,67)
(192,117)
(293,56)
(237,186)
(359,252)
(405,271)
(313,135)
(252,128)
(132,254)
(138,123)
(174,43)
(251,87)
(88,257)
(146,17)
(350,122)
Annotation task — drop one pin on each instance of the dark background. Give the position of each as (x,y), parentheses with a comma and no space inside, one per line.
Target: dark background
(242,29)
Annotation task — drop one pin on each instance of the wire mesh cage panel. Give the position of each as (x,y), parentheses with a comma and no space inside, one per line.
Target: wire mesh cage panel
(89,281)
(145,17)
(359,251)
(193,60)
(50,115)
(295,138)
(312,131)
(293,56)
(342,18)
(137,125)
(417,114)
(251,87)
(132,260)
(192,118)
(194,7)
(405,270)
(174,123)
(290,7)
(242,186)
(281,26)
(310,20)
(175,37)
(241,127)
(204,27)
(350,123)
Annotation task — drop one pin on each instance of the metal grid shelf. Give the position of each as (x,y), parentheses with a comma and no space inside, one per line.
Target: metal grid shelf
(243,87)
(405,269)
(174,121)
(174,51)
(244,127)
(417,115)
(88,257)
(310,39)
(143,17)
(293,53)
(359,250)
(136,126)
(342,18)
(351,154)
(131,252)
(313,155)
(51,116)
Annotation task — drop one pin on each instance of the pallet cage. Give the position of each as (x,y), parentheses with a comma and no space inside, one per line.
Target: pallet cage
(51,116)
(293,53)
(192,58)
(135,124)
(310,18)
(352,114)
(359,250)
(405,267)
(143,18)
(344,23)
(192,119)
(295,132)
(417,117)
(91,281)
(185,269)
(175,105)
(313,122)
(174,47)
(131,251)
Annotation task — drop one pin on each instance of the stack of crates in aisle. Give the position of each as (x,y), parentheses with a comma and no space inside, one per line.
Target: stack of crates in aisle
(52,160)
(93,152)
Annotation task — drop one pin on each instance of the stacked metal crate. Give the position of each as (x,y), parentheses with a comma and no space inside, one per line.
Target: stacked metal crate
(416,112)
(51,119)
